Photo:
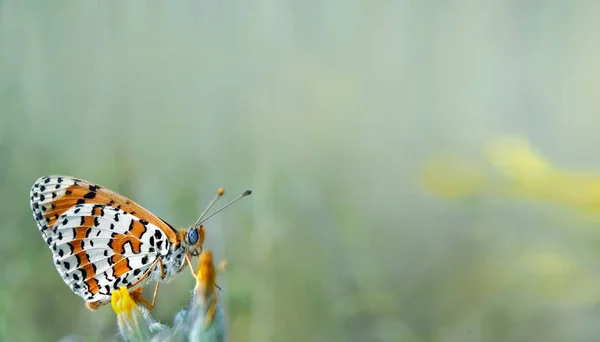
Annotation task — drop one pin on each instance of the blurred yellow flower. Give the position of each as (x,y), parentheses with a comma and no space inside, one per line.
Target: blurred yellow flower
(529,175)
(556,276)
(521,171)
(549,263)
(451,176)
(515,158)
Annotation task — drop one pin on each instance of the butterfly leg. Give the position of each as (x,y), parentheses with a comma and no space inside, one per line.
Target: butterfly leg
(148,272)
(189,262)
(162,271)
(136,295)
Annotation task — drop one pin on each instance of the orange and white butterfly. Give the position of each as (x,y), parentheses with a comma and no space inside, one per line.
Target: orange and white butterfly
(101,240)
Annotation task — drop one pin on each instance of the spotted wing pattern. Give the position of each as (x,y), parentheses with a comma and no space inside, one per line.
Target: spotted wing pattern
(100,240)
(52,196)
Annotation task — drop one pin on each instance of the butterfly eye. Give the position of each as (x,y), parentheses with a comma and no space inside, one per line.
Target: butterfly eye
(192,236)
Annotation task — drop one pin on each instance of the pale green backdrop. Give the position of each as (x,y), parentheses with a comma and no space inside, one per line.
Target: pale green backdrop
(326,109)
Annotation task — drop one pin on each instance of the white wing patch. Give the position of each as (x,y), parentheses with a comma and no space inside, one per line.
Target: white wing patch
(98,248)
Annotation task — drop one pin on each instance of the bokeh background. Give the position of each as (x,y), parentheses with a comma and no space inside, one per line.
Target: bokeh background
(334,113)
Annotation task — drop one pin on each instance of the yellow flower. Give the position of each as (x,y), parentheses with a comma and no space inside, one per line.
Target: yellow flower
(121,302)
(134,321)
(205,284)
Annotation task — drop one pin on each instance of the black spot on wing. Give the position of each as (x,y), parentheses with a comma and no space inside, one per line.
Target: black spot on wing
(90,195)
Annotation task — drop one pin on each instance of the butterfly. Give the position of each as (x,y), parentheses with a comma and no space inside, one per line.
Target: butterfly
(101,240)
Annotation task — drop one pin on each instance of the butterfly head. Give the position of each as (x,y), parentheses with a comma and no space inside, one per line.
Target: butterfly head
(194,238)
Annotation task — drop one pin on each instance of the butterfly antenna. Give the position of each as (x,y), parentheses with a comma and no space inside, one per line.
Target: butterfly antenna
(246,193)
(220,193)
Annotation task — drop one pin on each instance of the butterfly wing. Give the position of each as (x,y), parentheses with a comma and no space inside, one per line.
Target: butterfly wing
(52,196)
(98,248)
(100,240)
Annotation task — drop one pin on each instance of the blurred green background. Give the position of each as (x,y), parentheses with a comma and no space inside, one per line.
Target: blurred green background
(327,110)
